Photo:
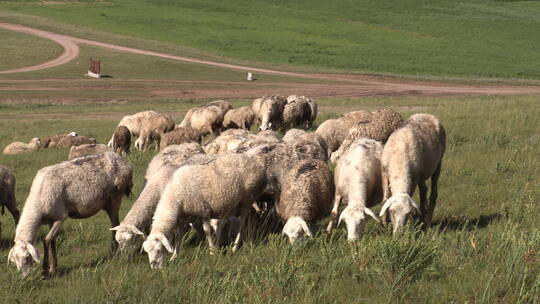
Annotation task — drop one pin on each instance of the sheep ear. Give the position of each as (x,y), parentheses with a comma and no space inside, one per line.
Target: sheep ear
(306,228)
(385,206)
(167,244)
(33,252)
(415,206)
(115,228)
(136,230)
(9,255)
(370,213)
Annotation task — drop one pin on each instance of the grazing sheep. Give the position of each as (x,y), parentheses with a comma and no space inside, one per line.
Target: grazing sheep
(20,147)
(158,175)
(296,113)
(134,123)
(76,189)
(271,112)
(227,186)
(207,120)
(152,128)
(412,154)
(121,140)
(381,123)
(306,195)
(7,193)
(334,132)
(241,118)
(178,136)
(69,141)
(356,117)
(295,135)
(87,149)
(227,141)
(225,106)
(358,182)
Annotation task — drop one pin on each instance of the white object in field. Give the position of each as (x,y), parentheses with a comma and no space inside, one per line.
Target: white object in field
(250,76)
(93,75)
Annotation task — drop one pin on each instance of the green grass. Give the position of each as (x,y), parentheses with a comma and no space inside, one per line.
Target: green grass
(20,50)
(484,249)
(474,39)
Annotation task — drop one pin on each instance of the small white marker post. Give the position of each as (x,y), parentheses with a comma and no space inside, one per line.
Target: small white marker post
(250,76)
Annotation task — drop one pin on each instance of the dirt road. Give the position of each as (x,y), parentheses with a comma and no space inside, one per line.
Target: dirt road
(358,85)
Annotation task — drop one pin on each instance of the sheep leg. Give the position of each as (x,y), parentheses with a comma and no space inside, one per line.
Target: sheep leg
(333,214)
(209,235)
(433,196)
(423,198)
(12,207)
(49,246)
(386,191)
(112,212)
(243,217)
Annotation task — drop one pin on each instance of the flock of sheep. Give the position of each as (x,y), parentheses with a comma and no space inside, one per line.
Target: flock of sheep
(236,181)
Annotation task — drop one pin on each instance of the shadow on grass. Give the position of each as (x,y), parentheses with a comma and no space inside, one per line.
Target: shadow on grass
(467,224)
(6,243)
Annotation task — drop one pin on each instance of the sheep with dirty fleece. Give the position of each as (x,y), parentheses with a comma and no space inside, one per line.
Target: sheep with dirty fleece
(380,125)
(48,140)
(227,186)
(151,130)
(358,183)
(238,141)
(412,154)
(121,141)
(70,141)
(87,149)
(158,175)
(134,123)
(7,193)
(296,113)
(20,147)
(179,136)
(297,135)
(307,190)
(72,189)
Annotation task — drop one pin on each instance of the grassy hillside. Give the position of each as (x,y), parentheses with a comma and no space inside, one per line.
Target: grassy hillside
(20,50)
(484,249)
(479,38)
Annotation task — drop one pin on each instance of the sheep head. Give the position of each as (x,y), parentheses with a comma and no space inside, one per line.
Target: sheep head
(399,207)
(355,220)
(295,229)
(23,255)
(154,246)
(126,235)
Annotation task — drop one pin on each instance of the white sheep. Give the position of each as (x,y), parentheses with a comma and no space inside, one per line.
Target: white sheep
(20,147)
(358,183)
(412,154)
(134,123)
(227,186)
(158,175)
(72,189)
(151,130)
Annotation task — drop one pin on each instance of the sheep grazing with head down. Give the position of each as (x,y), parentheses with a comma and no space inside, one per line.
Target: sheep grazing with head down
(306,195)
(20,147)
(358,183)
(87,149)
(240,118)
(312,107)
(121,141)
(227,186)
(271,112)
(296,113)
(158,175)
(179,136)
(378,126)
(151,130)
(72,189)
(412,154)
(134,123)
(207,120)
(7,193)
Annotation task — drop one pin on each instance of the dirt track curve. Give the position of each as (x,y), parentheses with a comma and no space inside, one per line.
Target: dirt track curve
(385,86)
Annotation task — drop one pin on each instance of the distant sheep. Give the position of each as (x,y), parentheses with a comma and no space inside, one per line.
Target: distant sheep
(7,193)
(312,107)
(334,132)
(20,147)
(296,113)
(151,130)
(134,123)
(296,135)
(358,183)
(203,192)
(306,195)
(271,112)
(87,149)
(224,105)
(207,120)
(48,140)
(121,140)
(78,189)
(179,136)
(240,118)
(69,141)
(378,126)
(412,154)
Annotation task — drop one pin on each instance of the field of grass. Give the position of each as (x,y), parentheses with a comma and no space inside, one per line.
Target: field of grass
(485,247)
(20,50)
(474,39)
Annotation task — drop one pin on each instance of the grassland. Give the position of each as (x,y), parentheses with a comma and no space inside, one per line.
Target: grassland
(19,50)
(485,247)
(472,39)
